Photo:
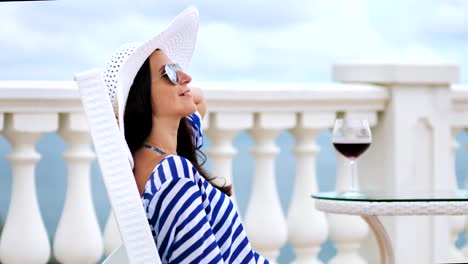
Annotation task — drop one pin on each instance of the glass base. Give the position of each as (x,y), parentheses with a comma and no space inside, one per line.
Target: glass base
(353,194)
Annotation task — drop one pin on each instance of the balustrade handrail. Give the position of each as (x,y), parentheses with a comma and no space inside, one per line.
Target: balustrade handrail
(460,96)
(62,96)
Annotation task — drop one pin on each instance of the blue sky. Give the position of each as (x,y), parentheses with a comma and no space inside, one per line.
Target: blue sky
(242,40)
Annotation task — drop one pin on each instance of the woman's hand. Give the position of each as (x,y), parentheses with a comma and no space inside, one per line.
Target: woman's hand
(199,100)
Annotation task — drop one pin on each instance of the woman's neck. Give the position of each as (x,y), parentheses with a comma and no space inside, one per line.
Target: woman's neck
(164,135)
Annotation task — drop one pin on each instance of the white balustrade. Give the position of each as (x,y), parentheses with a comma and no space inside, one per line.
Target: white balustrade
(307,227)
(78,238)
(24,237)
(221,130)
(413,129)
(411,148)
(265,221)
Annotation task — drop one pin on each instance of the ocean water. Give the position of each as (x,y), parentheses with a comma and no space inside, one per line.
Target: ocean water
(51,179)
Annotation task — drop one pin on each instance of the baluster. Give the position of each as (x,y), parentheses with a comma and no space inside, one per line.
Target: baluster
(24,239)
(265,221)
(347,231)
(111,235)
(456,223)
(307,227)
(78,237)
(222,129)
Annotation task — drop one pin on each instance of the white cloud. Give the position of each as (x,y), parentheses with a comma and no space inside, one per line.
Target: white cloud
(243,13)
(257,40)
(299,51)
(451,18)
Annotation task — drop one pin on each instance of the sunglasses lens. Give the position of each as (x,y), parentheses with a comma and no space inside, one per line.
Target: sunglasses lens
(171,71)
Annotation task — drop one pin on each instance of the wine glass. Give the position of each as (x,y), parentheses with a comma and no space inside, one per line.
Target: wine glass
(351,138)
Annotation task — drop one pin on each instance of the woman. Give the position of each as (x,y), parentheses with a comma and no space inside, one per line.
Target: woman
(192,219)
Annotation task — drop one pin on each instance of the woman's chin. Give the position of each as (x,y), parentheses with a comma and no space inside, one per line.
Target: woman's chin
(189,110)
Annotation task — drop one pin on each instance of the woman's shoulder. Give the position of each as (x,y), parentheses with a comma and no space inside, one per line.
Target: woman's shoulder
(173,167)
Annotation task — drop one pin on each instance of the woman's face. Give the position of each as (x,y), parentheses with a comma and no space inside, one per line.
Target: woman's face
(168,99)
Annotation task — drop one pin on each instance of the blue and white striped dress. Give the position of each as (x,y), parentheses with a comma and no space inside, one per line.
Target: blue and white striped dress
(192,221)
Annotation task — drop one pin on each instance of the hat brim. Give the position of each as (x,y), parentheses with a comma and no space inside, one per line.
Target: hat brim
(177,41)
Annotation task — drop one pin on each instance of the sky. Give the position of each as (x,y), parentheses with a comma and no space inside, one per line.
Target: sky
(238,40)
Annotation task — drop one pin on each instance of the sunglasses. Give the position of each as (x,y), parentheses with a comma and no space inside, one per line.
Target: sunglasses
(170,72)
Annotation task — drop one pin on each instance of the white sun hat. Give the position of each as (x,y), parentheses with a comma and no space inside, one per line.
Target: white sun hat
(177,41)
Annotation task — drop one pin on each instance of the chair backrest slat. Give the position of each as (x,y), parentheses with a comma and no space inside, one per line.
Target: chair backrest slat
(116,171)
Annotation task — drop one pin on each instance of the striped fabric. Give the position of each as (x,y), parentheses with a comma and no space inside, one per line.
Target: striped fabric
(192,221)
(195,123)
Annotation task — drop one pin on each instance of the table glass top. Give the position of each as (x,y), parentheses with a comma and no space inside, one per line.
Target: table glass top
(409,196)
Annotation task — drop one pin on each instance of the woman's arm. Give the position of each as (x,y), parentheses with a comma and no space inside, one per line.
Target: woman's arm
(196,118)
(199,100)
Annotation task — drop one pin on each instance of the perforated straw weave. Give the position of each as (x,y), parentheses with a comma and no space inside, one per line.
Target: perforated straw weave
(393,208)
(116,172)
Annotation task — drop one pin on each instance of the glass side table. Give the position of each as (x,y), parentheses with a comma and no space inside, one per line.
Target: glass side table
(387,204)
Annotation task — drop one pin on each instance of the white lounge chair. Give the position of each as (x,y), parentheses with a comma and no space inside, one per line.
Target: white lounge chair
(138,244)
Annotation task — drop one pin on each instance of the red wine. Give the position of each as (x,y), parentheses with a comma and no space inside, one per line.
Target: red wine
(351,150)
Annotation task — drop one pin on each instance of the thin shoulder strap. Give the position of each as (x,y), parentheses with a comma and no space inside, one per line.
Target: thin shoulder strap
(116,171)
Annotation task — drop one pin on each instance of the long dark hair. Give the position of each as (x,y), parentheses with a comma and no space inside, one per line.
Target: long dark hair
(139,122)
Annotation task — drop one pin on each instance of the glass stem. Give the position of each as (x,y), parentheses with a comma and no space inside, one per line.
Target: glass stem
(354,183)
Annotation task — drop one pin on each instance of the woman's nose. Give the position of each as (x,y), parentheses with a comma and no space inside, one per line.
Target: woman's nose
(184,78)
